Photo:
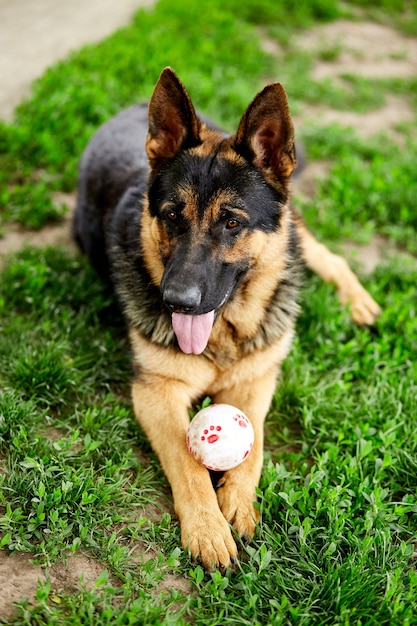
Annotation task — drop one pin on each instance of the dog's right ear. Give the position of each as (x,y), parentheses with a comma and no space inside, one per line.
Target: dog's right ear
(173,123)
(266,135)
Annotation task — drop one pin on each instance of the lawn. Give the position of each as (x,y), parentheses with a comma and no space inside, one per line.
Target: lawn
(337,543)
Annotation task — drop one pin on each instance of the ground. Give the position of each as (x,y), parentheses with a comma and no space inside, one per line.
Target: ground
(37,34)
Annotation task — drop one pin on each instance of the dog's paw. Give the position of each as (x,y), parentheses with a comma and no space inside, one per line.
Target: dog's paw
(208,538)
(237,505)
(363,308)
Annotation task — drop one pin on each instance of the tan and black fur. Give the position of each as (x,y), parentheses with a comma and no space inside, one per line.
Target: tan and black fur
(192,225)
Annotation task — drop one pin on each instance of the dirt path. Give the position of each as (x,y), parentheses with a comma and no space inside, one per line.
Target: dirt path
(36,33)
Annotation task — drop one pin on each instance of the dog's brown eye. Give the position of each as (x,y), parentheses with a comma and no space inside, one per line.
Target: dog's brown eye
(232,223)
(172,216)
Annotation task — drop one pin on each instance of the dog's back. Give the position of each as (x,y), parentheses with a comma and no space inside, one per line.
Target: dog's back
(114,161)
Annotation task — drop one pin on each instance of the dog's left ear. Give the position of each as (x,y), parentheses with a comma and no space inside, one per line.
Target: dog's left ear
(173,123)
(266,135)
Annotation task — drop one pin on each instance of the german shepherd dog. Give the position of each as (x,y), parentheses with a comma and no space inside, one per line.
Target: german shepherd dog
(196,232)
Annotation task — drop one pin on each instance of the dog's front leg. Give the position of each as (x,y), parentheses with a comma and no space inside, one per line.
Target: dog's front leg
(236,490)
(161,407)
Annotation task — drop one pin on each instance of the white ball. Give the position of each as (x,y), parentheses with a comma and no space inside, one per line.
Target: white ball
(220,437)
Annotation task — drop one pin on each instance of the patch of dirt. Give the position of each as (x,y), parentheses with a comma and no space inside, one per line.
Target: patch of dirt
(19,577)
(59,233)
(385,119)
(369,50)
(365,48)
(172,581)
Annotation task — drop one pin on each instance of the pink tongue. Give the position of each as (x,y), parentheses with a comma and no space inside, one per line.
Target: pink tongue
(192,331)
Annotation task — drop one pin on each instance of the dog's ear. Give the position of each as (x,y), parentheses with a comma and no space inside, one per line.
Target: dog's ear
(266,135)
(173,123)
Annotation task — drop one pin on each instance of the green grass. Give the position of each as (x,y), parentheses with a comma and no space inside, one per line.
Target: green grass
(338,493)
(373,184)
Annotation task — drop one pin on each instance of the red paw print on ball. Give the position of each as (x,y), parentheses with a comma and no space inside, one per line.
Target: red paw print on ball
(213,436)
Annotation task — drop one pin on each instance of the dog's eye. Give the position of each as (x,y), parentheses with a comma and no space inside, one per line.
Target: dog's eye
(171,216)
(233,219)
(232,223)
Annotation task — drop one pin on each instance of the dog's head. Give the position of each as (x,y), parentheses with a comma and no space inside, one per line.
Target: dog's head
(209,197)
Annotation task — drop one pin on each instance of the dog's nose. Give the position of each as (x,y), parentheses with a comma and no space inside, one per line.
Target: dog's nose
(182,300)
